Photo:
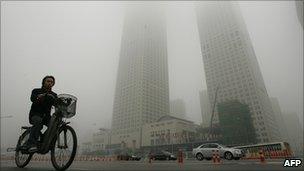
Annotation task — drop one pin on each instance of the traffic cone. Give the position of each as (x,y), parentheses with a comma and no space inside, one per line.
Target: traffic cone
(213,156)
(262,157)
(180,158)
(218,157)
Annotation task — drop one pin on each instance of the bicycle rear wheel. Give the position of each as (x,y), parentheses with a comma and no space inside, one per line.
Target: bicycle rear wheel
(22,157)
(64,148)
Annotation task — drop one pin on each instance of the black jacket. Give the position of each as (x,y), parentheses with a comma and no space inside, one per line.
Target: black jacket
(42,108)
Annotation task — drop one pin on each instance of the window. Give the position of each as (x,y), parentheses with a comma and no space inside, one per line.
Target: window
(204,146)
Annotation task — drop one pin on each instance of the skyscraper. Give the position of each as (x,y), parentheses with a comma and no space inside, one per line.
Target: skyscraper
(231,66)
(205,108)
(142,90)
(178,108)
(299,8)
(279,119)
(294,133)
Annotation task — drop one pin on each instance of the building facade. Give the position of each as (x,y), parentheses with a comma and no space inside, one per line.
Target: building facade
(294,133)
(231,67)
(279,119)
(142,89)
(168,130)
(236,124)
(100,140)
(102,137)
(299,8)
(205,108)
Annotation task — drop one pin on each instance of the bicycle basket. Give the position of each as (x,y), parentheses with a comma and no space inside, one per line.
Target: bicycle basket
(66,104)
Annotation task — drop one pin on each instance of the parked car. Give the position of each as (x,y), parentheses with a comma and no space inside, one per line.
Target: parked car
(163,155)
(128,157)
(204,151)
(135,157)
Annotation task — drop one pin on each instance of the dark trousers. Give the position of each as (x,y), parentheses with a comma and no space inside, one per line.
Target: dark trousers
(37,123)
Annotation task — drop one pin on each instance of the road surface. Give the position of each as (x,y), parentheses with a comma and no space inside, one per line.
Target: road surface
(241,165)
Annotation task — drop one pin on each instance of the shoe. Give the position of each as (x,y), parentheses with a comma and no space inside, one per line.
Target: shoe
(33,149)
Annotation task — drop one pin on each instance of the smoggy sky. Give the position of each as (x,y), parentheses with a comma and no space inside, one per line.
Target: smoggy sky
(79,43)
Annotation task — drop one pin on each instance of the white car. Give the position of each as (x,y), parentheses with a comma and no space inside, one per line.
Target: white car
(204,151)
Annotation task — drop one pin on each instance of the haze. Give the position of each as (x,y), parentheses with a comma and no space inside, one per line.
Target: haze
(79,44)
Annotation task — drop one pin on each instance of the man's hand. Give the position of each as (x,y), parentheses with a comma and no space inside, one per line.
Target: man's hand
(50,95)
(40,97)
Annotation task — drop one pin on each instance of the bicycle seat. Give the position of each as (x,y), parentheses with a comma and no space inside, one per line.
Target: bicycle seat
(25,127)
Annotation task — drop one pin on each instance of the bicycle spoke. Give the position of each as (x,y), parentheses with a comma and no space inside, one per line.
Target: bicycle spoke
(64,148)
(22,158)
(62,155)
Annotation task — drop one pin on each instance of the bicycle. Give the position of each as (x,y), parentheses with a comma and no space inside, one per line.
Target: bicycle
(55,139)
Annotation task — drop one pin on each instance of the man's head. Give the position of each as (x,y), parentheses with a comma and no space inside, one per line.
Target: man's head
(48,82)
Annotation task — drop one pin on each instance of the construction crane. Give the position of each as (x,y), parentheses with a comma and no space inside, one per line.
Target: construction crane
(213,110)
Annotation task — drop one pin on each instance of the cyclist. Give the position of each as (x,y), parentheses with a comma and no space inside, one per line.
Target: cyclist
(42,101)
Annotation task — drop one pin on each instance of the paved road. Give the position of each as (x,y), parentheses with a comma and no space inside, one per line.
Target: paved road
(155,166)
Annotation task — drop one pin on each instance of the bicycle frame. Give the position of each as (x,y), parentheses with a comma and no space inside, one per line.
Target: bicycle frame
(52,131)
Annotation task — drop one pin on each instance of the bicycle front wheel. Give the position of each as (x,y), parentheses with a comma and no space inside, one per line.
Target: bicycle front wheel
(64,149)
(22,157)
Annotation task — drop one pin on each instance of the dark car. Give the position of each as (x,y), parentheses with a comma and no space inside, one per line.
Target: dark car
(135,157)
(163,155)
(128,157)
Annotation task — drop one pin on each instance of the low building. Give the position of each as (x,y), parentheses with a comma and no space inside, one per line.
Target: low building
(168,130)
(101,138)
(129,140)
(100,141)
(86,147)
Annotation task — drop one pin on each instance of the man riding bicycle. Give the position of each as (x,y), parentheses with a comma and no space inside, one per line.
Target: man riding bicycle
(43,99)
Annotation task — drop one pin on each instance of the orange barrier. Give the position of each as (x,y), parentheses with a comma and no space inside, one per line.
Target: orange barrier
(216,157)
(180,157)
(262,157)
(213,156)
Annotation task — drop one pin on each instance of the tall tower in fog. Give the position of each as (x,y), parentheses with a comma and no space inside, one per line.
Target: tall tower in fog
(231,64)
(299,8)
(142,90)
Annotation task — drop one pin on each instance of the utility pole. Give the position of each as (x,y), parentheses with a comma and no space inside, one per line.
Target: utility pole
(213,110)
